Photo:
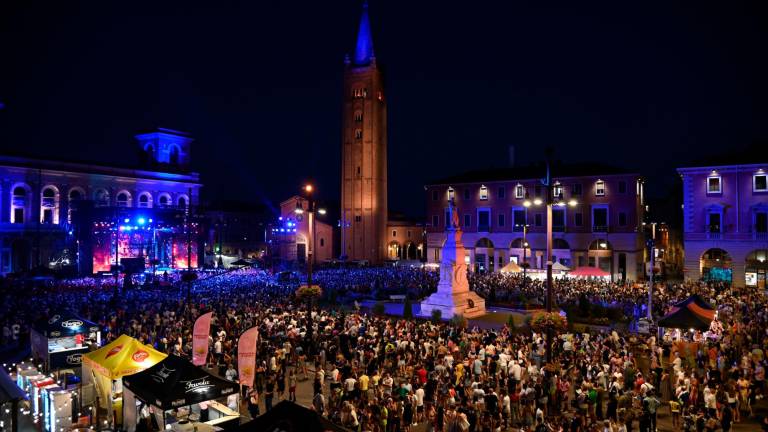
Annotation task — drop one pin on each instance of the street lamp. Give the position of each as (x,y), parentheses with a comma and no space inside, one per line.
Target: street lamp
(551,200)
(525,249)
(311,209)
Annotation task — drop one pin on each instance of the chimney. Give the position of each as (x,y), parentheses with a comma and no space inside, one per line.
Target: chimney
(511,156)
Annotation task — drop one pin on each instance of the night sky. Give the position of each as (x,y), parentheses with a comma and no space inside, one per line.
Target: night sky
(643,85)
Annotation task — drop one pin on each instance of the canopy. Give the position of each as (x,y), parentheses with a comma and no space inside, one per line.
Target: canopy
(693,312)
(697,300)
(64,325)
(511,268)
(589,272)
(9,391)
(123,356)
(685,318)
(559,267)
(176,382)
(289,417)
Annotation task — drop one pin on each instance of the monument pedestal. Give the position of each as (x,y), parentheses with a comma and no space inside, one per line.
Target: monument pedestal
(467,304)
(453,296)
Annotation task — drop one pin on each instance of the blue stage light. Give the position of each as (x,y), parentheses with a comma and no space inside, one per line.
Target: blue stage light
(141,221)
(126,220)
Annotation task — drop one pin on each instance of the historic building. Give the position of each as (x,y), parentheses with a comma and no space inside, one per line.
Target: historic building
(365,225)
(288,238)
(235,230)
(86,216)
(502,222)
(725,223)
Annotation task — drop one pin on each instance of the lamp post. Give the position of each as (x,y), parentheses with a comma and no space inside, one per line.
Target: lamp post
(550,200)
(525,250)
(308,189)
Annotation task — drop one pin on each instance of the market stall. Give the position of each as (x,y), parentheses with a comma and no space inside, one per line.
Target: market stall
(174,394)
(104,368)
(60,342)
(10,397)
(692,313)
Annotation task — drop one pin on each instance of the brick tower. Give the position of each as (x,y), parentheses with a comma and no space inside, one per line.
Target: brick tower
(364,154)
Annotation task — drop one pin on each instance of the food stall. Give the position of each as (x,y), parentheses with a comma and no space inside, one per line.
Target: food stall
(104,368)
(169,395)
(58,408)
(60,342)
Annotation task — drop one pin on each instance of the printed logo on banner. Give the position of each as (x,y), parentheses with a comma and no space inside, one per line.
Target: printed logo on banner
(54,319)
(227,390)
(199,385)
(163,374)
(113,351)
(75,359)
(178,402)
(72,324)
(55,333)
(139,356)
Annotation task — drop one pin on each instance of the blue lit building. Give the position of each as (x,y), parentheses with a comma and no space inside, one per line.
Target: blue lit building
(61,214)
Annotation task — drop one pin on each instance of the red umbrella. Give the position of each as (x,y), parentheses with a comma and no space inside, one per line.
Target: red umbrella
(589,271)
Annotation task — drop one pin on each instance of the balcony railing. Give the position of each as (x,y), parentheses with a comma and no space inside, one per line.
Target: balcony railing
(484,228)
(599,228)
(714,235)
(762,236)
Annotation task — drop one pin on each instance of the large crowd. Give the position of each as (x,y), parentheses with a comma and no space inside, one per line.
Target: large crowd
(373,373)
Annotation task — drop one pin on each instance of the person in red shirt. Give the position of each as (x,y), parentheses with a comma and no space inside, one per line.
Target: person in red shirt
(422,375)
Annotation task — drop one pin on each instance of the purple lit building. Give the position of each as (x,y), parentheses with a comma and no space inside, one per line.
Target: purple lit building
(603,229)
(725,223)
(84,216)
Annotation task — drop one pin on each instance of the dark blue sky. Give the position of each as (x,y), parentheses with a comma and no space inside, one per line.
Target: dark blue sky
(645,85)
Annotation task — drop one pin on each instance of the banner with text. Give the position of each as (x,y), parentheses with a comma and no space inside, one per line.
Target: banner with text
(246,356)
(200,335)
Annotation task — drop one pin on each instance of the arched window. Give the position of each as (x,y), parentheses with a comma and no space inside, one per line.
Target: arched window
(19,203)
(182,201)
(49,205)
(173,157)
(123,199)
(145,200)
(75,195)
(164,200)
(559,243)
(101,198)
(149,153)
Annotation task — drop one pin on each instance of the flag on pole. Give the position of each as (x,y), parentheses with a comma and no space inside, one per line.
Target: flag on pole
(246,356)
(200,335)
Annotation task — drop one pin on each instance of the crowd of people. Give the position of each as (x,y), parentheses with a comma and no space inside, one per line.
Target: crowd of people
(373,373)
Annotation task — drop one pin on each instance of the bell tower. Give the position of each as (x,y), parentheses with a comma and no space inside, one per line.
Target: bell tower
(364,153)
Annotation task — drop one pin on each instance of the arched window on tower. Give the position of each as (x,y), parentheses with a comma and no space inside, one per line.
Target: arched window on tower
(145,200)
(123,199)
(75,196)
(358,134)
(182,202)
(101,198)
(164,200)
(358,116)
(173,157)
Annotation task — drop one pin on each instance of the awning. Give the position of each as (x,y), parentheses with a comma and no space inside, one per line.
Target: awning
(589,272)
(511,268)
(123,356)
(693,312)
(559,267)
(176,382)
(290,417)
(64,325)
(9,391)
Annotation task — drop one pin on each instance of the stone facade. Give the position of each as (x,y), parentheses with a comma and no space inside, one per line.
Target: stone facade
(603,229)
(725,222)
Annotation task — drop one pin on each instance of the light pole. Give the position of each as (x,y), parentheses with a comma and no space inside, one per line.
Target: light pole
(308,189)
(651,249)
(524,264)
(550,200)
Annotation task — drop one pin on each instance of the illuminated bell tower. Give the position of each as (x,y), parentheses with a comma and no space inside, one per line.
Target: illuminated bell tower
(364,153)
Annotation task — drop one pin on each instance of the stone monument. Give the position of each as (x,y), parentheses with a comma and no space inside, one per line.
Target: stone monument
(453,296)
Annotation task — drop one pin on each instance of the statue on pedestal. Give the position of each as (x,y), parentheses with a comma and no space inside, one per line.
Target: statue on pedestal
(453,296)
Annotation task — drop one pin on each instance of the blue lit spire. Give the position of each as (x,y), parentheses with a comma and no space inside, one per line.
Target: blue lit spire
(364,47)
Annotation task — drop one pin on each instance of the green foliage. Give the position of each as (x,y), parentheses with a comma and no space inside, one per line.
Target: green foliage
(407,309)
(378,308)
(437,315)
(459,321)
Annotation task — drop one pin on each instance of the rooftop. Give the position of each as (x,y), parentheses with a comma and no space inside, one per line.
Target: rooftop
(531,172)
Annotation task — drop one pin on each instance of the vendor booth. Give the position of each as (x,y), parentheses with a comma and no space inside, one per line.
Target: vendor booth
(104,368)
(10,397)
(61,341)
(692,313)
(174,394)
(290,417)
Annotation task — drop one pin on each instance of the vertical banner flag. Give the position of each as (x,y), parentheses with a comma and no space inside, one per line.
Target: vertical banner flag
(246,356)
(200,335)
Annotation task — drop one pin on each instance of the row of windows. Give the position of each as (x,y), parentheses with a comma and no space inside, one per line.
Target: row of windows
(519,219)
(520,191)
(715,183)
(49,201)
